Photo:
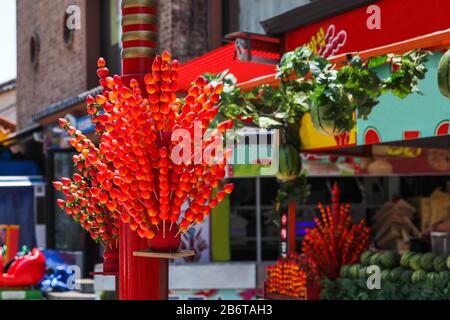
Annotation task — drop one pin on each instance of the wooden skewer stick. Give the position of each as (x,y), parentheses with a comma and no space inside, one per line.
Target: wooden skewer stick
(164,228)
(180,231)
(171,224)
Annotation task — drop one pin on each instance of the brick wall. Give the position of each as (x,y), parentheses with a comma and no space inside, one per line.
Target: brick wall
(61,70)
(183,27)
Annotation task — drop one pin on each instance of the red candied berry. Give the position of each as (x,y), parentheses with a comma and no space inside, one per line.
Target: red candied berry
(101,62)
(228,188)
(61,203)
(103,72)
(57,185)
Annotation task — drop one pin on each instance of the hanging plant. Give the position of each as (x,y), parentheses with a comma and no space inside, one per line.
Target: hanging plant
(444,74)
(309,83)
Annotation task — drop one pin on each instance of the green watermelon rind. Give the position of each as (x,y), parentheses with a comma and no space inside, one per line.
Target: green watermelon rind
(390,259)
(363,272)
(396,274)
(406,276)
(433,277)
(365,257)
(344,272)
(289,163)
(414,263)
(354,271)
(405,259)
(444,74)
(444,276)
(375,259)
(440,263)
(426,261)
(385,276)
(418,276)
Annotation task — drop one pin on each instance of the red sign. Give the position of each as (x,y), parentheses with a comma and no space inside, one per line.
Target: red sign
(399,20)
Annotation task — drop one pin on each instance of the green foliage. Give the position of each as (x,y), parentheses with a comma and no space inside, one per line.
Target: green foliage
(308,80)
(311,83)
(292,190)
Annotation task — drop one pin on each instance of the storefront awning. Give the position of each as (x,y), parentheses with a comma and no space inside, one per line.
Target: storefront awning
(434,41)
(247,57)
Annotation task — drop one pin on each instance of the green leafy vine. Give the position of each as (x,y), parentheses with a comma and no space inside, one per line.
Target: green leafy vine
(309,83)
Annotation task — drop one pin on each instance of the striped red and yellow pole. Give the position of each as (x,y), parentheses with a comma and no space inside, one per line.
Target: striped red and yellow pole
(139,278)
(139,35)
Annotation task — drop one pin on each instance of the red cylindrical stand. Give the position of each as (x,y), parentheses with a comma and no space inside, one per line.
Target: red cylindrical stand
(139,278)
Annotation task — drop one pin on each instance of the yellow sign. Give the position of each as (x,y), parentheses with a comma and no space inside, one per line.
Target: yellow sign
(313,139)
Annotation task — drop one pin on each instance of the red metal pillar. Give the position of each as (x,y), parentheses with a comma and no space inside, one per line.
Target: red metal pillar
(139,278)
(292,212)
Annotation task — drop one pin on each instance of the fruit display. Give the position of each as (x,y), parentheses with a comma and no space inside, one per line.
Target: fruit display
(444,74)
(336,240)
(134,175)
(409,276)
(293,276)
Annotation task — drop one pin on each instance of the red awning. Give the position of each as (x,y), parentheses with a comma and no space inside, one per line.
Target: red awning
(225,58)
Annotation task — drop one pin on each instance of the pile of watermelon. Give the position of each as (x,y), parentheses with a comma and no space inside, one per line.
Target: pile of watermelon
(408,276)
(410,267)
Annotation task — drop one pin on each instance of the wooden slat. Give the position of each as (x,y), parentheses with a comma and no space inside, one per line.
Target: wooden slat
(163,255)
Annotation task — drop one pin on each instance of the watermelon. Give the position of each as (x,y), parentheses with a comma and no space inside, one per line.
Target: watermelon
(386,275)
(444,74)
(365,257)
(440,263)
(354,271)
(390,259)
(433,277)
(406,257)
(414,263)
(289,163)
(375,259)
(418,276)
(444,276)
(406,276)
(344,272)
(396,274)
(363,273)
(442,279)
(427,261)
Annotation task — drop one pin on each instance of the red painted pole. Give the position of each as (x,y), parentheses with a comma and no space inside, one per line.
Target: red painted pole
(292,212)
(139,278)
